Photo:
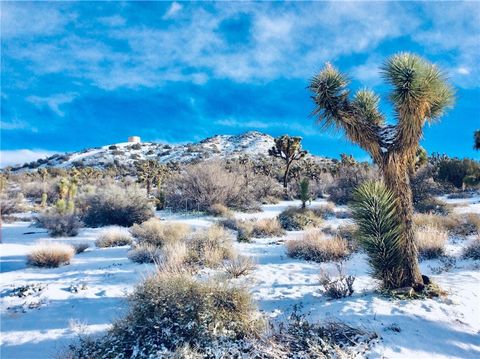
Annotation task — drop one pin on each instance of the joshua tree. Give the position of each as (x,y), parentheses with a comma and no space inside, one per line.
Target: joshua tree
(476,140)
(420,94)
(304,192)
(289,149)
(150,172)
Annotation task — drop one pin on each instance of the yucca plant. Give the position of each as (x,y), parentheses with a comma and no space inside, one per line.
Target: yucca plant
(420,94)
(380,232)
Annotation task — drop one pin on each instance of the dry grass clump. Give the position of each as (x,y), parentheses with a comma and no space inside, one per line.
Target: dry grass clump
(432,220)
(473,249)
(144,253)
(113,237)
(253,228)
(157,232)
(240,265)
(324,211)
(50,255)
(219,210)
(317,247)
(81,247)
(210,247)
(169,312)
(295,219)
(459,225)
(430,241)
(59,224)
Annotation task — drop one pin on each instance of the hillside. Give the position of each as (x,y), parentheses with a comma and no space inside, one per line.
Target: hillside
(254,144)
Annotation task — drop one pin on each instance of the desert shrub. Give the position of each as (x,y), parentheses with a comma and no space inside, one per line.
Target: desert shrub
(50,255)
(349,176)
(210,247)
(424,187)
(171,312)
(324,211)
(114,205)
(430,242)
(294,219)
(473,249)
(59,224)
(469,224)
(238,266)
(157,232)
(455,171)
(202,185)
(13,203)
(80,247)
(219,210)
(379,232)
(113,237)
(339,287)
(432,205)
(144,253)
(315,246)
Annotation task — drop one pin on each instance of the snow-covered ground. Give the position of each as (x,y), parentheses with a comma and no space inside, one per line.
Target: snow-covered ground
(85,296)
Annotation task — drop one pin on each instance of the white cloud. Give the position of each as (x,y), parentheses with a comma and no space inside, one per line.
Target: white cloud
(53,102)
(285,41)
(18,157)
(172,10)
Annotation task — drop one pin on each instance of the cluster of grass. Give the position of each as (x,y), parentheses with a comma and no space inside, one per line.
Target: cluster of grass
(295,219)
(430,241)
(50,254)
(459,225)
(255,228)
(316,246)
(113,237)
(176,245)
(219,210)
(157,233)
(171,312)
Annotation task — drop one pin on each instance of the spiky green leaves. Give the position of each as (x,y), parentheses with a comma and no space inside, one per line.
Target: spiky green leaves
(329,94)
(366,103)
(419,87)
(379,231)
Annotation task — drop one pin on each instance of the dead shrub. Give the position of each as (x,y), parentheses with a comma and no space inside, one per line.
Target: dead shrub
(430,241)
(200,186)
(50,255)
(113,237)
(295,219)
(157,232)
(315,246)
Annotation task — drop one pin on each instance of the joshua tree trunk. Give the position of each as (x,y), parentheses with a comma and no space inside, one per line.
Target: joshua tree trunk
(395,174)
(285,177)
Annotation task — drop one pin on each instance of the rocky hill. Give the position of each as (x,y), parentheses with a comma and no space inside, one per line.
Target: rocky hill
(254,144)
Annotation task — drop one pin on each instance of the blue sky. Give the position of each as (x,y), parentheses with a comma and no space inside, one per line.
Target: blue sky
(77,75)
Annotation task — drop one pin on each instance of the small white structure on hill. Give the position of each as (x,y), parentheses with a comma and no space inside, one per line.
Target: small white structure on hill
(134,139)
